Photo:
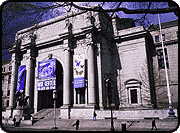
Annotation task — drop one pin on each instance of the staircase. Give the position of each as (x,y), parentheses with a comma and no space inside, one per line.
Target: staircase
(51,114)
(42,113)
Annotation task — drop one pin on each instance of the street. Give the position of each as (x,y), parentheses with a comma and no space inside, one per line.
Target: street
(98,125)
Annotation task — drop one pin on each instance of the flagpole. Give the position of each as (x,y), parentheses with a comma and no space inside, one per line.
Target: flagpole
(171,112)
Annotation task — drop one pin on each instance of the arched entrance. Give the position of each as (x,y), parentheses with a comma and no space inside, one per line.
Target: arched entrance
(45,97)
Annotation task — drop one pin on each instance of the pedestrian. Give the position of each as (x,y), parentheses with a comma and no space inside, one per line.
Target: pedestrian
(153,124)
(94,116)
(77,124)
(14,120)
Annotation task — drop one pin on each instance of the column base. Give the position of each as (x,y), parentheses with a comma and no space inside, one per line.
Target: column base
(65,112)
(171,112)
(91,105)
(9,112)
(85,112)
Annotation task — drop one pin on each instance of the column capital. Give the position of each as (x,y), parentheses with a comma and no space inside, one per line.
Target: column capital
(68,26)
(33,52)
(33,36)
(17,61)
(32,58)
(68,49)
(18,53)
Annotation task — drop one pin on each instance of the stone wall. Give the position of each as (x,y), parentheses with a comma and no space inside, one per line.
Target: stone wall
(133,60)
(171,45)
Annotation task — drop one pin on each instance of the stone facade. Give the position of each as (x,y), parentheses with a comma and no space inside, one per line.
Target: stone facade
(6,82)
(170,31)
(118,63)
(133,74)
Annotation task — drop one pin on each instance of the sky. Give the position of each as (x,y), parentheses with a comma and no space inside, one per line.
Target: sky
(152,18)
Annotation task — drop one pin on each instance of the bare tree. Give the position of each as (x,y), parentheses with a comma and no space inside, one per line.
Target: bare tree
(161,91)
(161,98)
(19,15)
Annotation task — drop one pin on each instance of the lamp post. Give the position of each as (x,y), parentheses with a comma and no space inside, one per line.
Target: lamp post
(112,127)
(54,97)
(171,112)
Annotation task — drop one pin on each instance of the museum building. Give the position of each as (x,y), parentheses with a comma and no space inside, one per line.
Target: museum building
(91,61)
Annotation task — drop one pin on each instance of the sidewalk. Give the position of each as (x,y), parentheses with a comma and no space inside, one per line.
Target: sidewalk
(99,125)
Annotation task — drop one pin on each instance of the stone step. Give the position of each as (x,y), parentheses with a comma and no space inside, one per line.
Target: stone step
(42,113)
(51,114)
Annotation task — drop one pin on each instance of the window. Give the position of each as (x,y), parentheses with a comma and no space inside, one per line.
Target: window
(77,94)
(157,38)
(8,93)
(163,36)
(2,79)
(7,103)
(134,92)
(3,69)
(133,96)
(82,96)
(10,68)
(161,58)
(9,80)
(177,34)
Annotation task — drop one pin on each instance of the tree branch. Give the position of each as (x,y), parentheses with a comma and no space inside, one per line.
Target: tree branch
(128,11)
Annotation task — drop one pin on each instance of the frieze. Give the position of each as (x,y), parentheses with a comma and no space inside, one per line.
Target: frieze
(53,31)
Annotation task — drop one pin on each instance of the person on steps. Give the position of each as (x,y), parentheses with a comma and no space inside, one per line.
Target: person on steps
(94,117)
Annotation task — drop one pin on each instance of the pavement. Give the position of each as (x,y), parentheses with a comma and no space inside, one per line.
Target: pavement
(98,125)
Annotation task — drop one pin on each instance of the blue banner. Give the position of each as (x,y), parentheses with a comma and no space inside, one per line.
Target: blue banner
(78,82)
(21,78)
(46,69)
(46,85)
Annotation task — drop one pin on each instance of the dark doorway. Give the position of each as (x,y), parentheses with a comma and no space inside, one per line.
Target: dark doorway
(59,84)
(134,96)
(45,99)
(80,95)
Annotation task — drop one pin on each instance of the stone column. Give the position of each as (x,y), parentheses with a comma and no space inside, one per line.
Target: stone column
(100,85)
(91,63)
(74,96)
(14,75)
(86,92)
(31,72)
(67,79)
(67,85)
(91,76)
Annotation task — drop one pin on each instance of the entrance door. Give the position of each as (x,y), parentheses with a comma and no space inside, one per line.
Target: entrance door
(45,99)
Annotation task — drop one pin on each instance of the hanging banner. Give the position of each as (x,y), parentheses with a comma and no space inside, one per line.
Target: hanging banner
(78,71)
(46,85)
(21,78)
(46,69)
(46,75)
